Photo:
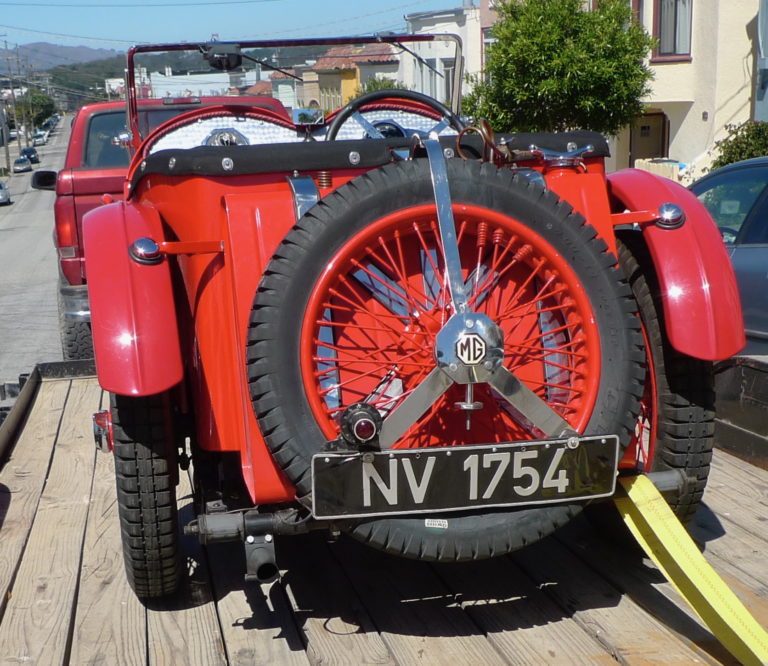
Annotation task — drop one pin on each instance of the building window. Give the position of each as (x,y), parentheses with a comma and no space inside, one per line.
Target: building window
(672,27)
(449,69)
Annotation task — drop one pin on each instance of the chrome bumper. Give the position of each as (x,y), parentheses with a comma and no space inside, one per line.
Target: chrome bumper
(73,302)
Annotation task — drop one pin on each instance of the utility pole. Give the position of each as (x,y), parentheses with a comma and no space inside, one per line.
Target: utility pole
(23,108)
(13,94)
(6,134)
(6,138)
(29,77)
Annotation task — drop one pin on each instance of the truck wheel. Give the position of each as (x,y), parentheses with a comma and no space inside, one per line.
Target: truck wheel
(349,307)
(678,405)
(146,494)
(76,338)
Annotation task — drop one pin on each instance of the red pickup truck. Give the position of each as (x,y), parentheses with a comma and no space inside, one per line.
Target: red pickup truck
(95,165)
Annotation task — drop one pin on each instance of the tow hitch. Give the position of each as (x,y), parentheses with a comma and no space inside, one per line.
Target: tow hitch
(257,532)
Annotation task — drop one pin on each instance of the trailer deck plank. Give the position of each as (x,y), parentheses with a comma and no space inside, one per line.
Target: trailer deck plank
(734,488)
(256,620)
(419,619)
(336,624)
(575,598)
(23,476)
(39,612)
(184,629)
(619,624)
(517,616)
(110,622)
(626,567)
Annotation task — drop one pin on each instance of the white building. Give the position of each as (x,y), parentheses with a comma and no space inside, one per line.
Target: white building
(704,79)
(435,75)
(199,84)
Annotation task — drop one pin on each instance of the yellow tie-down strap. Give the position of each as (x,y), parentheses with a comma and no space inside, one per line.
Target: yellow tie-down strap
(666,542)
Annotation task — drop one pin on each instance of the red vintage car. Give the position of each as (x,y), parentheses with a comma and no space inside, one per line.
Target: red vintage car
(350,309)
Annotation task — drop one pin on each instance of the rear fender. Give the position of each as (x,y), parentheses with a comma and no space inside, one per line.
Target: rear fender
(133,316)
(702,310)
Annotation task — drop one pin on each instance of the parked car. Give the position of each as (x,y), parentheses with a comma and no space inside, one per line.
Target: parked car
(21,164)
(30,152)
(39,138)
(95,165)
(5,194)
(736,197)
(389,324)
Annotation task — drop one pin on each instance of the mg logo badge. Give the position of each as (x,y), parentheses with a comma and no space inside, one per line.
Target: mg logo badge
(470,349)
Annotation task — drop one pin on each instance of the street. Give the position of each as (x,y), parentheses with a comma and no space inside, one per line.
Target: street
(28,313)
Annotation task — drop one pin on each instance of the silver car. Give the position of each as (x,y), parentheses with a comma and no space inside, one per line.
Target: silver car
(5,194)
(22,164)
(737,198)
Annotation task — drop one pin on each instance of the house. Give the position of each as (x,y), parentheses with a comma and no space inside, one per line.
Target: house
(704,70)
(189,84)
(434,74)
(286,86)
(260,89)
(342,70)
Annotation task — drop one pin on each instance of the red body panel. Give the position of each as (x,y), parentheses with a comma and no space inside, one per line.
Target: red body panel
(251,215)
(80,188)
(133,317)
(586,193)
(701,303)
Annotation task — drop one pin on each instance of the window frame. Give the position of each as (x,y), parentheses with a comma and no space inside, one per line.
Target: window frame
(657,56)
(750,232)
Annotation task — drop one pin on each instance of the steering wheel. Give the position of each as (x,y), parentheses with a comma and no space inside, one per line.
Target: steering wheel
(352,110)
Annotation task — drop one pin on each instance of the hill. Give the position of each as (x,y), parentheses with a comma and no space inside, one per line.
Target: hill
(43,55)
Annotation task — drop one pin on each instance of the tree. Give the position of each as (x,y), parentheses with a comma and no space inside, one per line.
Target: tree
(41,105)
(749,139)
(556,66)
(383,83)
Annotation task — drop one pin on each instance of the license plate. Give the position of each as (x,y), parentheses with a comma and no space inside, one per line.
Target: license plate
(406,481)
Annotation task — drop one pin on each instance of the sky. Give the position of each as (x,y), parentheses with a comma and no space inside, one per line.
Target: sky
(116,24)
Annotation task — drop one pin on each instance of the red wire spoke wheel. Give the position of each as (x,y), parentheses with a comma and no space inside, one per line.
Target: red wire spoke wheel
(350,305)
(369,330)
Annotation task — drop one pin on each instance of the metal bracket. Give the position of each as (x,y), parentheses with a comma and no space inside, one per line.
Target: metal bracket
(260,566)
(305,193)
(446,224)
(570,158)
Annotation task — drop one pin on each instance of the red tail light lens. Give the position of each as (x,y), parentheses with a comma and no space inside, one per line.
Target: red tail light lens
(65,234)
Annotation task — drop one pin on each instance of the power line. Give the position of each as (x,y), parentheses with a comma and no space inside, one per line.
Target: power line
(349,19)
(133,5)
(61,34)
(313,26)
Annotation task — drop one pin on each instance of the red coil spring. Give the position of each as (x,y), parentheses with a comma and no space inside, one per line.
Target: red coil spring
(482,234)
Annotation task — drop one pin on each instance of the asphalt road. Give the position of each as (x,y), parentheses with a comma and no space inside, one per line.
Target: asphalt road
(28,312)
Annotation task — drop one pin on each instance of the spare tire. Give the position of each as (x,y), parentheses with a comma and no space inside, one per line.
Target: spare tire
(354,297)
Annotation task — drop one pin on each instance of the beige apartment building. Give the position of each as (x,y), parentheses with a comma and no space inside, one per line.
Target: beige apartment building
(704,69)
(705,75)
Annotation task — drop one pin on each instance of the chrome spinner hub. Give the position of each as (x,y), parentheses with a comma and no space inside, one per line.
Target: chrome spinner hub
(469,348)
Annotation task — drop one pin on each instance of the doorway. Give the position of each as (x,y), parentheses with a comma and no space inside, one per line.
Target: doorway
(649,137)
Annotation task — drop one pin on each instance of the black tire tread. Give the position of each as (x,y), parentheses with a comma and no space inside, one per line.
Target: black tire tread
(146,496)
(685,388)
(268,355)
(76,337)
